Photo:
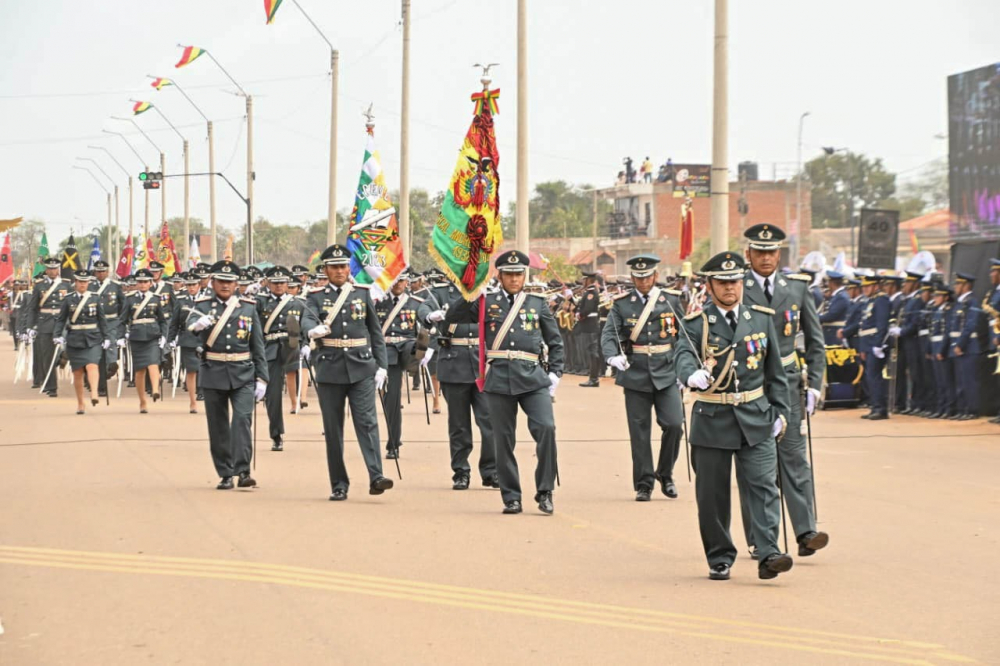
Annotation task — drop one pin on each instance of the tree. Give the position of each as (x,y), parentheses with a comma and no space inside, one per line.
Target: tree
(559,210)
(930,186)
(24,241)
(560,269)
(702,251)
(843,183)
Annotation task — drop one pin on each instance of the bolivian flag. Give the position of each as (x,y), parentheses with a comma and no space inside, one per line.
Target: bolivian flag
(271,8)
(141,107)
(161,83)
(468,231)
(191,53)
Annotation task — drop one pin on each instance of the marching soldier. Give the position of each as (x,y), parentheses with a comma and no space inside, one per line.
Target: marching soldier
(730,355)
(42,310)
(350,364)
(397,313)
(965,348)
(146,330)
(991,306)
(794,308)
(162,288)
(589,328)
(233,372)
(455,348)
(834,316)
(188,341)
(944,378)
(272,310)
(639,341)
(81,328)
(516,326)
(112,299)
(297,361)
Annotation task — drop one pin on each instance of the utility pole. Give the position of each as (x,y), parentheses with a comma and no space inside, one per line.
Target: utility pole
(331,207)
(523,240)
(187,211)
(213,250)
(720,132)
(249,180)
(404,140)
(796,238)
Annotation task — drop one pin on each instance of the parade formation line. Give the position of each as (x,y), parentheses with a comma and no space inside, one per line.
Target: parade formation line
(605,615)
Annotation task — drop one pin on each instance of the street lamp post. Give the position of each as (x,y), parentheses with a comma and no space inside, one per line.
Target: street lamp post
(131,229)
(117,247)
(850,196)
(101,185)
(163,162)
(111,235)
(796,240)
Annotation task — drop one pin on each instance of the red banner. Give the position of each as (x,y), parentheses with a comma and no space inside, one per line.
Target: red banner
(6,261)
(687,229)
(124,268)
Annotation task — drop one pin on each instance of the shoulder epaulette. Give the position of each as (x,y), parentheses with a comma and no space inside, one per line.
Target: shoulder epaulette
(362,286)
(489,291)
(416,298)
(801,277)
(693,315)
(761,308)
(620,296)
(251,301)
(316,290)
(203,299)
(673,292)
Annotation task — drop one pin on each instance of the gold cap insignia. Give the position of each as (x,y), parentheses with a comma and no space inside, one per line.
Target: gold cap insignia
(728,265)
(766,235)
(513,259)
(227,269)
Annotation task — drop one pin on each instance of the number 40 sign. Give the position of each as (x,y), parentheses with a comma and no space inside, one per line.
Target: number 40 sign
(878,238)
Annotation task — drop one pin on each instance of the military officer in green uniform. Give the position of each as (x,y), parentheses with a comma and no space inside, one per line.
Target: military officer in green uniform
(42,309)
(233,372)
(639,341)
(455,349)
(517,324)
(112,299)
(272,308)
(350,365)
(397,313)
(188,341)
(146,329)
(794,311)
(82,330)
(730,357)
(588,331)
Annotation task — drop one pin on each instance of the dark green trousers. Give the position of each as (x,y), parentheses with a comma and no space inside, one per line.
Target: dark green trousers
(639,406)
(714,470)
(394,406)
(464,402)
(537,406)
(272,398)
(361,396)
(231,440)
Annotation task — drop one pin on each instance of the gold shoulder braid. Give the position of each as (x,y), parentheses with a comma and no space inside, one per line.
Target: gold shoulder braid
(710,360)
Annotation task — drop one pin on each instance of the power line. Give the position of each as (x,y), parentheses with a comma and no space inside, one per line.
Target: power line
(132,91)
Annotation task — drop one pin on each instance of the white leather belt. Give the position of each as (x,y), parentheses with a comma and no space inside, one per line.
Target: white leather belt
(344,344)
(651,350)
(54,311)
(867,332)
(937,338)
(955,334)
(148,320)
(730,398)
(924,331)
(494,354)
(397,338)
(227,358)
(113,315)
(465,342)
(276,336)
(835,323)
(83,327)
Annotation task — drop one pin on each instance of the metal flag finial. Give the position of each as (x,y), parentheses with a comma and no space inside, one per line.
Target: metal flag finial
(486,72)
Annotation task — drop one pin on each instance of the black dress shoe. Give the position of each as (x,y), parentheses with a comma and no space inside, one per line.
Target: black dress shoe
(491,481)
(391,454)
(156,396)
(460,483)
(338,495)
(225,484)
(35,386)
(545,502)
(278,444)
(513,506)
(668,488)
(93,402)
(246,481)
(774,564)
(996,419)
(131,384)
(200,397)
(878,416)
(379,486)
(591,383)
(643,495)
(102,394)
(810,542)
(719,572)
(754,553)
(867,416)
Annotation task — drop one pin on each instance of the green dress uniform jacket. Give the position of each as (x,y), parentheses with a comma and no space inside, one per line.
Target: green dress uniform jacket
(184,305)
(166,293)
(84,334)
(273,310)
(241,336)
(112,299)
(650,369)
(357,320)
(457,344)
(40,316)
(401,333)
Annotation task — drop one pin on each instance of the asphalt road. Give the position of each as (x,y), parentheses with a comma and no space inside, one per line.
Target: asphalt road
(115,548)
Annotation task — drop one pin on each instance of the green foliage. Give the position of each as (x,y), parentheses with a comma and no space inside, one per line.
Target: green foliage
(560,269)
(930,186)
(843,179)
(559,210)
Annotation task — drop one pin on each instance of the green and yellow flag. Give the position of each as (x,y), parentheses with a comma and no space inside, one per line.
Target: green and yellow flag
(468,229)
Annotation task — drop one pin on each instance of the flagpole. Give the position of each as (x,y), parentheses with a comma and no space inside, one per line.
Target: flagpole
(404,141)
(212,248)
(720,132)
(522,127)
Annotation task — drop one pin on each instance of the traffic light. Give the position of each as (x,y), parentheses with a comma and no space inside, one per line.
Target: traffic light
(151,179)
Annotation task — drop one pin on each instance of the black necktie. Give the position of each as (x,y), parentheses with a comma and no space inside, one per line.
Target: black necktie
(767,289)
(731,318)
(510,299)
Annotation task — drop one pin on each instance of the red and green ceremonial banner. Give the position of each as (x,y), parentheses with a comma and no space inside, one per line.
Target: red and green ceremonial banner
(6,261)
(124,268)
(141,107)
(313,260)
(191,53)
(373,239)
(161,83)
(687,229)
(468,229)
(43,254)
(165,252)
(270,9)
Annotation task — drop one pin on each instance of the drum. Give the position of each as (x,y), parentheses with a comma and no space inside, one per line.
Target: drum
(843,377)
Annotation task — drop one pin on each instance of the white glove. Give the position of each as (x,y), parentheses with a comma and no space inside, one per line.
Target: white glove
(619,362)
(701,379)
(127,334)
(427,358)
(203,322)
(259,389)
(437,315)
(304,352)
(895,331)
(121,342)
(161,342)
(31,334)
(555,384)
(319,332)
(776,428)
(106,345)
(878,352)
(812,398)
(381,377)
(58,341)
(173,344)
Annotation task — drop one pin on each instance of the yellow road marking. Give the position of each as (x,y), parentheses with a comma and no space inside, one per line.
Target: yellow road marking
(898,651)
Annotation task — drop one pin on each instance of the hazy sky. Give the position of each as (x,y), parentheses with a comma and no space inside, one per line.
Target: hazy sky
(606,80)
